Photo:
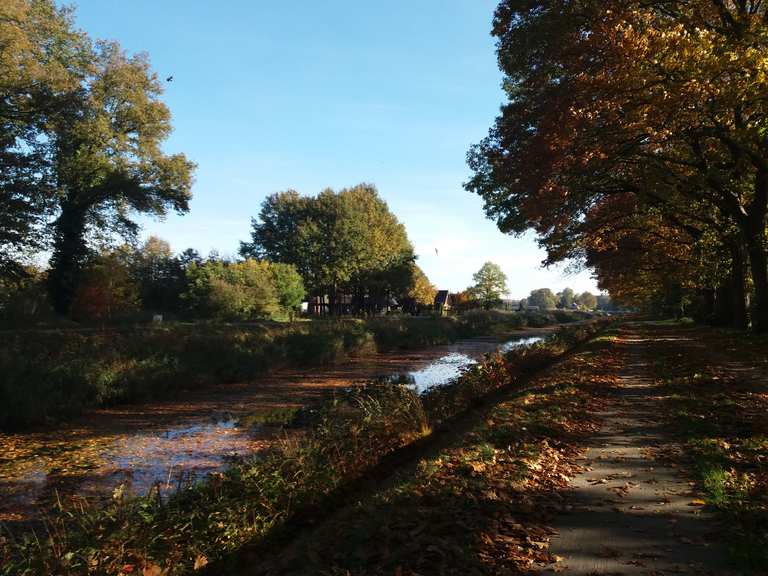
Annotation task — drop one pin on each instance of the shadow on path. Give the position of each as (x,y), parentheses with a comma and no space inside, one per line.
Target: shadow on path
(629,513)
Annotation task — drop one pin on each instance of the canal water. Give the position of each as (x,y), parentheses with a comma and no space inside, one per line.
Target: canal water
(136,448)
(447,368)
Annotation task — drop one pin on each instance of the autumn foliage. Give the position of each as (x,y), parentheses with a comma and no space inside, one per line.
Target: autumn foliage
(633,137)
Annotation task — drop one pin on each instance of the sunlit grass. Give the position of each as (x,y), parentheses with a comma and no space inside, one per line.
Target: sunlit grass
(718,420)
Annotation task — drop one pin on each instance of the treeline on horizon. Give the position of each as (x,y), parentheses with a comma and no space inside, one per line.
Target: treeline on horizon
(345,242)
(634,138)
(134,283)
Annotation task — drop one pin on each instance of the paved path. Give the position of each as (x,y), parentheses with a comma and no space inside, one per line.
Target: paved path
(631,514)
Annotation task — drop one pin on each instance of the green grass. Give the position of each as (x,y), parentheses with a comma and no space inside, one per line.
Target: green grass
(718,422)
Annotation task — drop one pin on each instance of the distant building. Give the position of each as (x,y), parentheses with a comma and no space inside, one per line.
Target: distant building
(443,302)
(345,304)
(324,305)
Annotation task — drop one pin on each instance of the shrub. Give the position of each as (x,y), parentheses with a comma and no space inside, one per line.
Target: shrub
(289,287)
(315,347)
(538,319)
(564,317)
(476,322)
(232,291)
(24,301)
(106,291)
(407,332)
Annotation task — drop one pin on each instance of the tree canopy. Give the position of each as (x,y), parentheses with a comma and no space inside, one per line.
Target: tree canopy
(490,285)
(235,291)
(630,121)
(565,298)
(422,291)
(80,145)
(42,59)
(340,242)
(543,298)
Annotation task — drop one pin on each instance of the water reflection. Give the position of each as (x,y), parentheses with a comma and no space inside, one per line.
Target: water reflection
(519,343)
(180,454)
(449,367)
(157,457)
(441,371)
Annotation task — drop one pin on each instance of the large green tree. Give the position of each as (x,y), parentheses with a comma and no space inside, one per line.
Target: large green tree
(108,161)
(42,59)
(82,126)
(544,298)
(347,241)
(565,298)
(587,300)
(490,285)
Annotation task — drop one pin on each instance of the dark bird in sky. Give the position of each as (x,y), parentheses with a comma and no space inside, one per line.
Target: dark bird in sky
(436,252)
(169,79)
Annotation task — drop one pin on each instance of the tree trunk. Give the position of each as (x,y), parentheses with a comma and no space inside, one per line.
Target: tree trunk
(70,252)
(759,267)
(332,301)
(723,312)
(737,289)
(758,261)
(708,299)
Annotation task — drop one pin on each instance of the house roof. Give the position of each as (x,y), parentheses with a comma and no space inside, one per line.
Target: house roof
(442,297)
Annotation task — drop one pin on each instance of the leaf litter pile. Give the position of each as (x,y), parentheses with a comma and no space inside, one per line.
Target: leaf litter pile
(479,505)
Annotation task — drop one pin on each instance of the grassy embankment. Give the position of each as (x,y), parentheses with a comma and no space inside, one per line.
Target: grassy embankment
(54,374)
(257,498)
(718,401)
(477,503)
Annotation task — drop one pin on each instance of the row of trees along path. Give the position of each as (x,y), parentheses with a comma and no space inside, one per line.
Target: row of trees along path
(634,136)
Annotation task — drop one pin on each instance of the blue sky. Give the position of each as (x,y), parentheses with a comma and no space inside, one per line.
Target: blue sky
(268,96)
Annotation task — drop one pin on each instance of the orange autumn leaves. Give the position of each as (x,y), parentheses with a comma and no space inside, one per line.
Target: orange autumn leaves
(649,114)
